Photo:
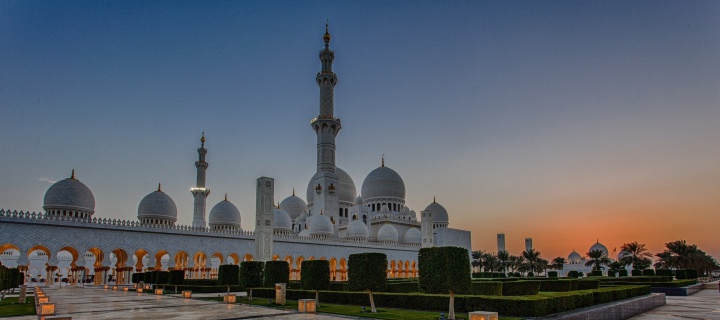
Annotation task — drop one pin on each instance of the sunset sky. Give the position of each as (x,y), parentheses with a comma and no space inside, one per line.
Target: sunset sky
(564,121)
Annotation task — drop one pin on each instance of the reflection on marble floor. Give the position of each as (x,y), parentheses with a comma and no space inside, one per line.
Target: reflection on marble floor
(95,303)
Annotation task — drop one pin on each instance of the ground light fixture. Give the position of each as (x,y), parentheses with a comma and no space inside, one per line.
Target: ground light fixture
(483,315)
(306,305)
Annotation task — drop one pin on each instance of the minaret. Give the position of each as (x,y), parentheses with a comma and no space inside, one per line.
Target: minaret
(264,195)
(326,128)
(199,191)
(501,242)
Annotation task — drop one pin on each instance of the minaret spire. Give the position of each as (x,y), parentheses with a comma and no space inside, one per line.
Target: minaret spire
(326,127)
(72,175)
(199,192)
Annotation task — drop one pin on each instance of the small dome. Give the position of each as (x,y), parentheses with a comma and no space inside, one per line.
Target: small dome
(413,214)
(294,206)
(439,214)
(383,183)
(281,220)
(384,208)
(157,205)
(224,213)
(405,210)
(387,233)
(599,246)
(574,257)
(304,233)
(321,226)
(623,254)
(359,200)
(69,194)
(357,230)
(345,190)
(413,236)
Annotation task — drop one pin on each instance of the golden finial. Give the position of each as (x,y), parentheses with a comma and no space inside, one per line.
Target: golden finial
(326,36)
(321,213)
(202,139)
(225,196)
(382,162)
(293,190)
(434,199)
(159,187)
(72,175)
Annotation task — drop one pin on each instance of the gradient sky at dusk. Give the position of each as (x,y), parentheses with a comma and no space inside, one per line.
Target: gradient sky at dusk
(564,121)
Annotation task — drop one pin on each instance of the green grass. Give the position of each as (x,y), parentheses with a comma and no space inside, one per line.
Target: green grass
(355,311)
(10,307)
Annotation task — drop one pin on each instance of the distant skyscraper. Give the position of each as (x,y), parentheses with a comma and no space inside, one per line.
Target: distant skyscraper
(528,244)
(501,242)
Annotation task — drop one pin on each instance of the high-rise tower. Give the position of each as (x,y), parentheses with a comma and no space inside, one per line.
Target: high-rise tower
(199,192)
(326,127)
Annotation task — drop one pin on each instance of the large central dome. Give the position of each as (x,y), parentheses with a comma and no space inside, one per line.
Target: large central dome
(346,191)
(383,182)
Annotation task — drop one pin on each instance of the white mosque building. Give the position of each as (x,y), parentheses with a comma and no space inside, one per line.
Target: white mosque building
(332,222)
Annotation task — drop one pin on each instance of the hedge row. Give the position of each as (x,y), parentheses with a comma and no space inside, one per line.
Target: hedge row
(521,288)
(666,284)
(643,279)
(588,284)
(487,288)
(511,306)
(489,275)
(404,287)
(206,289)
(556,285)
(664,272)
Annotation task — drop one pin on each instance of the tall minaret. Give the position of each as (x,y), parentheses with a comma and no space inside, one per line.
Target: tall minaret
(326,128)
(200,192)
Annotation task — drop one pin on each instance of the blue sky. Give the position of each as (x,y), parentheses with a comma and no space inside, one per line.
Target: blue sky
(564,121)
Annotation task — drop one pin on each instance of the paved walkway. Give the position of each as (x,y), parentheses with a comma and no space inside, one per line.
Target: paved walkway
(703,305)
(95,303)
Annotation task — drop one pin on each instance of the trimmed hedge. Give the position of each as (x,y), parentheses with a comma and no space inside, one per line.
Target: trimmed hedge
(315,274)
(276,272)
(556,285)
(368,271)
(404,287)
(176,277)
(573,274)
(552,274)
(664,272)
(662,284)
(200,282)
(649,272)
(444,269)
(691,273)
(487,288)
(251,274)
(636,273)
(521,288)
(623,273)
(228,274)
(588,284)
(163,277)
(596,273)
(680,274)
(488,275)
(537,306)
(612,273)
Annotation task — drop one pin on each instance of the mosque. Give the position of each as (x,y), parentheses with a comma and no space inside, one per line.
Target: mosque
(334,221)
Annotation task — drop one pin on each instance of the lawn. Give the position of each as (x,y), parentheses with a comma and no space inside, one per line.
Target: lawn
(355,311)
(10,307)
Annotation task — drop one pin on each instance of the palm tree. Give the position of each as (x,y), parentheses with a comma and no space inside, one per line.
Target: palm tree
(639,256)
(491,262)
(598,259)
(557,263)
(514,263)
(533,261)
(504,258)
(681,255)
(664,260)
(477,260)
(616,266)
